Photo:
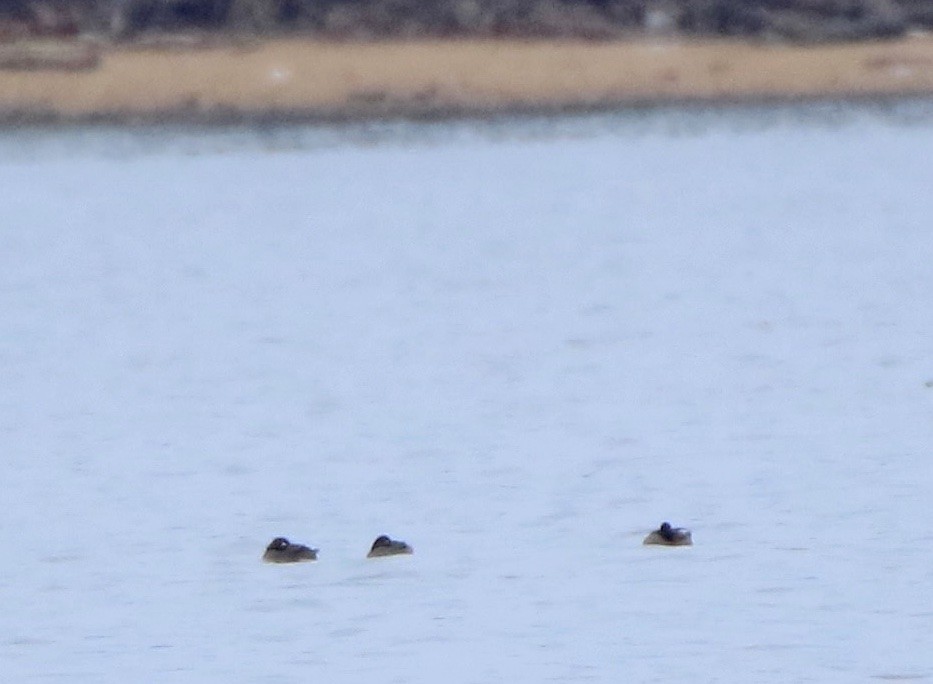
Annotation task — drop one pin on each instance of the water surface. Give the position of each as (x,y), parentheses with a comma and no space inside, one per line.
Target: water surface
(519,346)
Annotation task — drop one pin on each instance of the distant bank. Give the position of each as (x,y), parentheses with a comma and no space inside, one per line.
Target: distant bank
(771,20)
(301,79)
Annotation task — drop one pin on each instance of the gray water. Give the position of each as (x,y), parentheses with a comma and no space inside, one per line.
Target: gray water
(519,346)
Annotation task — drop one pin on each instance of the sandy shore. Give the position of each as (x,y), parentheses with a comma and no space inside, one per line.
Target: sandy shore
(293,78)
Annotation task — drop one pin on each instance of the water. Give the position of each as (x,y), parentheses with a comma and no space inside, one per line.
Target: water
(519,346)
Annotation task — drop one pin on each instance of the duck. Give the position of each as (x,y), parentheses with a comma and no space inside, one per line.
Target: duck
(280,550)
(669,536)
(386,546)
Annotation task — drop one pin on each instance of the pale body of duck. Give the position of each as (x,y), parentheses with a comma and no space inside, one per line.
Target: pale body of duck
(669,536)
(385,546)
(280,550)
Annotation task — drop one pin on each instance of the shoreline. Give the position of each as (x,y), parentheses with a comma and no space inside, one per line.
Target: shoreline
(292,80)
(226,119)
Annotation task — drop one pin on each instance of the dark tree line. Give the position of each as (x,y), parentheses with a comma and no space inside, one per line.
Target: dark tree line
(805,20)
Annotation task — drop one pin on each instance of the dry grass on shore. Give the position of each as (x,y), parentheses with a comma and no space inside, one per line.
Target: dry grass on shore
(315,78)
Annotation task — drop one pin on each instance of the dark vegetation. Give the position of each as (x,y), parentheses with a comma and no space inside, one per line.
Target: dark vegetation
(789,20)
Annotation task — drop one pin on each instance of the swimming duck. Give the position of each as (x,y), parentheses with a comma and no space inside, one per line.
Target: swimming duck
(385,546)
(670,536)
(280,550)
